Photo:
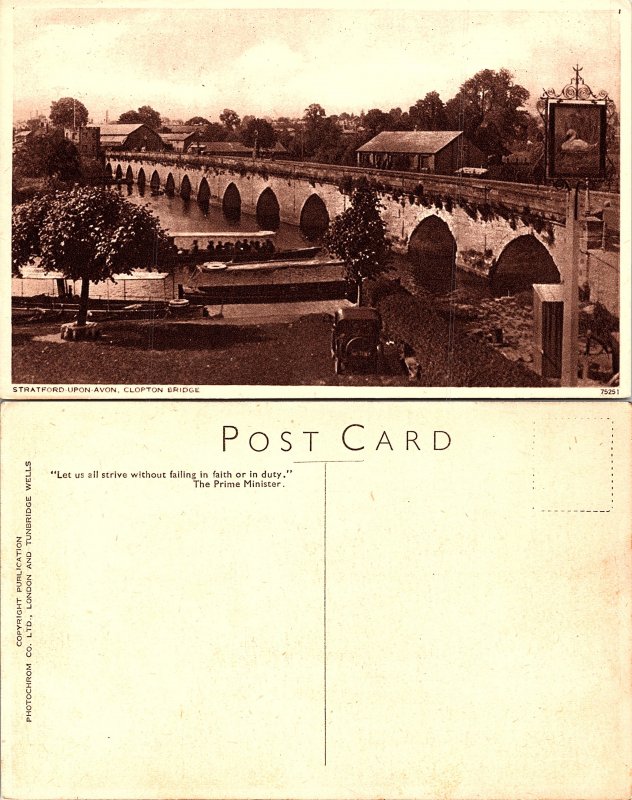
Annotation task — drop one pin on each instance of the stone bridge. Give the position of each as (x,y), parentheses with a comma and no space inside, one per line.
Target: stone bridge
(512,234)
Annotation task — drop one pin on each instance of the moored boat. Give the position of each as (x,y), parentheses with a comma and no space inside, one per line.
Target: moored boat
(232,246)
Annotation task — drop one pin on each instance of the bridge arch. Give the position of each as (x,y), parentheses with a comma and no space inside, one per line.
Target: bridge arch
(314,217)
(231,204)
(108,172)
(129,174)
(155,181)
(523,262)
(432,254)
(141,178)
(119,173)
(170,186)
(185,188)
(204,194)
(268,212)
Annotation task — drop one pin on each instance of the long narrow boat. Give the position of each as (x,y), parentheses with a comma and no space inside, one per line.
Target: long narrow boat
(234,247)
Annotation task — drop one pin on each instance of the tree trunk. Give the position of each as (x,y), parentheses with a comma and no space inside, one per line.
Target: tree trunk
(82,316)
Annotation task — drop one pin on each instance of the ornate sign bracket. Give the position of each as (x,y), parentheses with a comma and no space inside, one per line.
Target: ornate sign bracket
(575,124)
(577,89)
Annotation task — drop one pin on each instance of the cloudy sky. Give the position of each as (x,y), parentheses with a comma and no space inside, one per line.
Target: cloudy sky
(273,62)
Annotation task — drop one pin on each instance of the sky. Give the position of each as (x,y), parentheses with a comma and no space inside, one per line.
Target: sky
(273,62)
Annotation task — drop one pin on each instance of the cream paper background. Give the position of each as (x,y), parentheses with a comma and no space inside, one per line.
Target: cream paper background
(125,392)
(477,603)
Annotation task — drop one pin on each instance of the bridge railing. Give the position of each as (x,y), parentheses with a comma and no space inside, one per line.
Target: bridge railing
(547,201)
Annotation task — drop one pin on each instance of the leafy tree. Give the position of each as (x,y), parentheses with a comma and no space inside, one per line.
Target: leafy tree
(68,113)
(48,155)
(129,117)
(489,109)
(197,121)
(145,115)
(375,121)
(429,113)
(313,113)
(258,134)
(88,234)
(320,136)
(230,119)
(398,120)
(150,117)
(358,236)
(213,132)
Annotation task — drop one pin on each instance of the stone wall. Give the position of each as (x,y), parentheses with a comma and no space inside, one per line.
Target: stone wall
(479,242)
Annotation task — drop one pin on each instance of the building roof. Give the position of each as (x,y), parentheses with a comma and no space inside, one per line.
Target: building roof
(426,142)
(226,147)
(176,137)
(276,148)
(183,128)
(122,129)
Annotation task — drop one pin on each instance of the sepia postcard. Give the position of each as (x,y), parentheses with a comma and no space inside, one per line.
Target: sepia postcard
(316,600)
(389,201)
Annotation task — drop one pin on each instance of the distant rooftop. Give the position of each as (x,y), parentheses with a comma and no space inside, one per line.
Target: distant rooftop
(176,137)
(122,129)
(226,147)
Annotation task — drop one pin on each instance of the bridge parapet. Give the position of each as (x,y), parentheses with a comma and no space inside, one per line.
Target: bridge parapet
(545,201)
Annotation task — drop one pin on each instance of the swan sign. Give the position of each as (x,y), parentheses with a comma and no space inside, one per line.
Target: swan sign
(576,139)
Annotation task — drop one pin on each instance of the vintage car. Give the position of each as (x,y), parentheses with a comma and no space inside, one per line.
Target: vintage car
(355,339)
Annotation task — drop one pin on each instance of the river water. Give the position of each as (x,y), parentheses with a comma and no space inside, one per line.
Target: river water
(176,214)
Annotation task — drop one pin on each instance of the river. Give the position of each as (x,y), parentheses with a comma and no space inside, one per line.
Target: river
(176,214)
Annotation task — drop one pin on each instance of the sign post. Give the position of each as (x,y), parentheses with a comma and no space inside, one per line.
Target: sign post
(575,123)
(570,282)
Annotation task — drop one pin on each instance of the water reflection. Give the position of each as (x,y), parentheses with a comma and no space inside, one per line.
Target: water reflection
(177,214)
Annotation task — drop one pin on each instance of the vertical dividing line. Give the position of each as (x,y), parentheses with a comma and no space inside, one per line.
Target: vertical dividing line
(325,610)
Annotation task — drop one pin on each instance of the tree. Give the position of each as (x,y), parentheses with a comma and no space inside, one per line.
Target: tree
(489,109)
(358,236)
(213,132)
(398,120)
(145,115)
(325,141)
(68,113)
(48,155)
(375,121)
(197,121)
(129,117)
(88,234)
(429,114)
(313,113)
(258,134)
(230,119)
(320,136)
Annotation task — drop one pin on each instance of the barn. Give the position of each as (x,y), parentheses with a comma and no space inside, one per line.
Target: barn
(443,152)
(180,142)
(130,136)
